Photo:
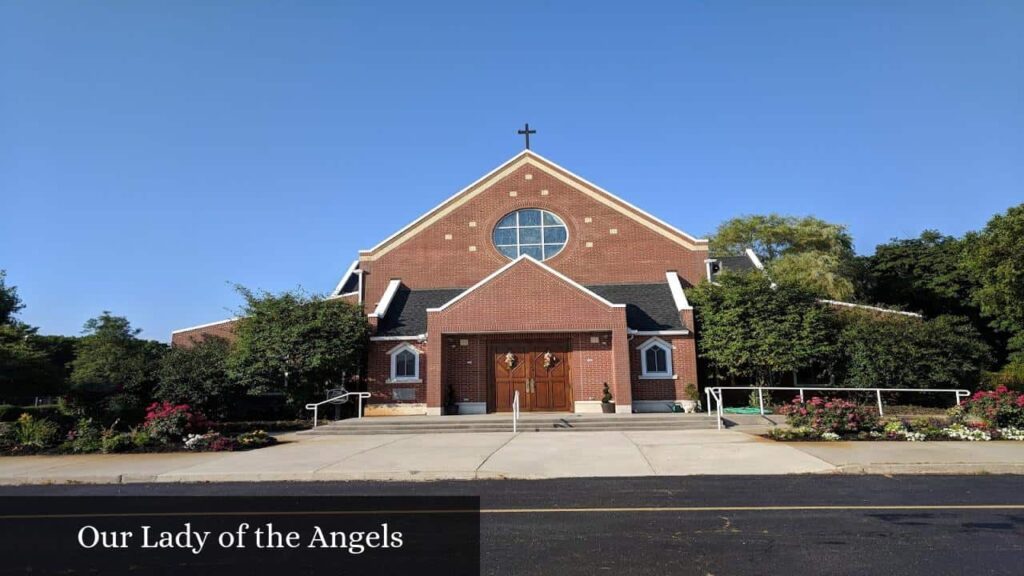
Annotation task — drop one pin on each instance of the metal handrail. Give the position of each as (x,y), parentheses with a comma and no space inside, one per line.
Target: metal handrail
(515,412)
(359,409)
(716,393)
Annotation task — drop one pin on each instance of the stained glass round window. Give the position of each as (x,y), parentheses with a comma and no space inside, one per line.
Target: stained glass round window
(538,233)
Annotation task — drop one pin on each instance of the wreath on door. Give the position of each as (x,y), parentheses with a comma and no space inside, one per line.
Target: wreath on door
(510,360)
(550,360)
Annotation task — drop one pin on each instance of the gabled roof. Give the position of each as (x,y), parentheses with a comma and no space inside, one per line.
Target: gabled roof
(528,157)
(649,307)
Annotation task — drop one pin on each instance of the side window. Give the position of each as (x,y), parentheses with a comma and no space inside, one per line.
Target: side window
(656,358)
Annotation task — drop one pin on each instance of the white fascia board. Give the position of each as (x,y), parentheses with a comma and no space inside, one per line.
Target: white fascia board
(398,338)
(344,277)
(678,295)
(753,258)
(385,300)
(207,325)
(658,332)
(544,267)
(866,307)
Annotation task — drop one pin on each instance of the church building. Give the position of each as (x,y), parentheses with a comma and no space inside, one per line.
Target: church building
(529,280)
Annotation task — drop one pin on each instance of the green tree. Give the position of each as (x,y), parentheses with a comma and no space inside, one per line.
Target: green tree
(22,366)
(887,350)
(297,344)
(10,302)
(774,236)
(806,251)
(995,258)
(197,375)
(750,329)
(922,274)
(114,372)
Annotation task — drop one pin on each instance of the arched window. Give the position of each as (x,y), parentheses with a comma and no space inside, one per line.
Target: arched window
(532,231)
(655,359)
(405,364)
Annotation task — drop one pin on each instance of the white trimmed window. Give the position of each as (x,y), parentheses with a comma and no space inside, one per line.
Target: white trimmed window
(405,364)
(655,359)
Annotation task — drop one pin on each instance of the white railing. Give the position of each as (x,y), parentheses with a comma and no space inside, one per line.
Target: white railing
(515,412)
(339,399)
(716,393)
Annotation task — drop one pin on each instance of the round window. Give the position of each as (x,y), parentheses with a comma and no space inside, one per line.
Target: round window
(538,233)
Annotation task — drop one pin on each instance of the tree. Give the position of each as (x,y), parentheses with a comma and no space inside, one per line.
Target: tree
(774,236)
(297,344)
(114,373)
(198,376)
(922,274)
(995,258)
(748,328)
(886,350)
(10,302)
(806,251)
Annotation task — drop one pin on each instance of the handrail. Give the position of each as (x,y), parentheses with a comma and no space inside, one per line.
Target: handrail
(359,409)
(716,393)
(515,412)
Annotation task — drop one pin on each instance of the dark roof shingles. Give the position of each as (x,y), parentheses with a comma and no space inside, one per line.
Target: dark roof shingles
(648,307)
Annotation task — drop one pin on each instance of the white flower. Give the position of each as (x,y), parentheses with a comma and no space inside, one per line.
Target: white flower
(1011,433)
(961,432)
(830,436)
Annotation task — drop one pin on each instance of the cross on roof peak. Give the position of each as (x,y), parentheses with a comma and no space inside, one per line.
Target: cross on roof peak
(526,132)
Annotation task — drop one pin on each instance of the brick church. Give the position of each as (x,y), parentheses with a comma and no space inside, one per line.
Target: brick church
(534,280)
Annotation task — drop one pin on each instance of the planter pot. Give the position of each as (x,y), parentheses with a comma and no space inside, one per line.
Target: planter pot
(689,406)
(608,407)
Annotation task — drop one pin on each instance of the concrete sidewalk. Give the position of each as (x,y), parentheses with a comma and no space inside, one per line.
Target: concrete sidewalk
(526,455)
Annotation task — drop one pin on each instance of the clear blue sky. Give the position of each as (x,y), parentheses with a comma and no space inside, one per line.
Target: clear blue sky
(152,152)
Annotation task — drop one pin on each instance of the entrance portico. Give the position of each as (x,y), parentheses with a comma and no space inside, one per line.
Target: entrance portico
(484,363)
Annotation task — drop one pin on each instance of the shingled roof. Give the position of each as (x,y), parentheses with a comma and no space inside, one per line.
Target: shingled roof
(648,307)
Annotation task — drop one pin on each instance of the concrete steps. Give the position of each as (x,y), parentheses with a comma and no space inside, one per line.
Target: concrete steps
(503,423)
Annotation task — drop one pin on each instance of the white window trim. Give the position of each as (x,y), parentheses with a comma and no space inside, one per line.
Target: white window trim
(393,353)
(650,375)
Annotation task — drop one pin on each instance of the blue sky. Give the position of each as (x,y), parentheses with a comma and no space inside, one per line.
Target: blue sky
(151,153)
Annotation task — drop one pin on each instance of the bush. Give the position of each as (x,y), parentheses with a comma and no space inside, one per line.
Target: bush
(85,437)
(1011,376)
(11,413)
(168,423)
(116,442)
(35,432)
(255,439)
(798,433)
(830,415)
(209,442)
(999,408)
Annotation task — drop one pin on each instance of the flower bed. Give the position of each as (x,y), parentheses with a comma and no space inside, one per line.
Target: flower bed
(986,416)
(166,428)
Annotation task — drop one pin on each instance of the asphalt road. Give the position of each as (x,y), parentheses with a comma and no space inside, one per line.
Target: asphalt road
(754,525)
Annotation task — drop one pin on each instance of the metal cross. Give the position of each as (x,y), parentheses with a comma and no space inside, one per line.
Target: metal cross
(526,132)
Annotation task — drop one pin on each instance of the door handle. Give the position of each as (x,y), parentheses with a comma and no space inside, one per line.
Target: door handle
(531,386)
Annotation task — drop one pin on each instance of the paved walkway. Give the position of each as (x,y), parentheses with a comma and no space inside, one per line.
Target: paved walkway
(524,455)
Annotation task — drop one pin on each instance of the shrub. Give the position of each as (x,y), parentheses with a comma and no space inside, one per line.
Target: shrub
(998,408)
(1011,433)
(830,415)
(255,439)
(209,442)
(798,433)
(35,432)
(85,437)
(141,437)
(168,423)
(116,442)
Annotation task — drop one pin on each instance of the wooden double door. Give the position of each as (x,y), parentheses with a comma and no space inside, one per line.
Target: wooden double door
(538,370)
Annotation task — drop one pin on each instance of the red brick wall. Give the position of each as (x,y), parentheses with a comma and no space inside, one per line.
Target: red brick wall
(684,366)
(378,371)
(636,254)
